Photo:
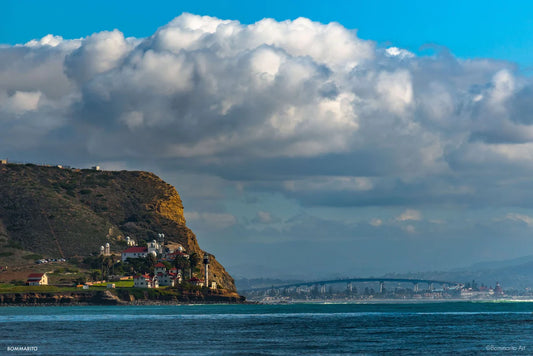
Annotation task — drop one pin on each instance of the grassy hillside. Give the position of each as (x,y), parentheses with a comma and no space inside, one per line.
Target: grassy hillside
(54,212)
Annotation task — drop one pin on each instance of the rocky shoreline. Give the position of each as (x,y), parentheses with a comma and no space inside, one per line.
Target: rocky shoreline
(108,298)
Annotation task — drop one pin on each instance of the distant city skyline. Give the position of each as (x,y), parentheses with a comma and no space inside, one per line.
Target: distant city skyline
(338,139)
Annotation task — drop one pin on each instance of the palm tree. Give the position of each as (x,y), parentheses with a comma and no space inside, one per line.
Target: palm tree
(181,263)
(193,262)
(107,263)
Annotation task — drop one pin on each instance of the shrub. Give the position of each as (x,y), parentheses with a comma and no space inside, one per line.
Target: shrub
(16,245)
(33,256)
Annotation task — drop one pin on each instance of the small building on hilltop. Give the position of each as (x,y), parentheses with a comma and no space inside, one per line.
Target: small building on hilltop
(37,279)
(134,252)
(156,247)
(130,241)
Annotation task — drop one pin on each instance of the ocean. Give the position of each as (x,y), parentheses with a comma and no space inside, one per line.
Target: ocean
(295,329)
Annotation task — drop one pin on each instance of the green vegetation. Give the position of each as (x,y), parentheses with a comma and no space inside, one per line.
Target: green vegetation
(53,212)
(15,245)
(33,256)
(40,289)
(118,284)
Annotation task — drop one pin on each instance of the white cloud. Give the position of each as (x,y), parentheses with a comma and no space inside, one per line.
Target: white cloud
(520,218)
(264,217)
(20,102)
(98,53)
(324,110)
(409,214)
(376,222)
(330,183)
(399,52)
(48,40)
(395,89)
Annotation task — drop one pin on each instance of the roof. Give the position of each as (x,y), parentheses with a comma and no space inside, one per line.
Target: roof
(145,276)
(135,249)
(177,253)
(159,264)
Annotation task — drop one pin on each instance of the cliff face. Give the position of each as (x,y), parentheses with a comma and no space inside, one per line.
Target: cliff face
(64,213)
(115,297)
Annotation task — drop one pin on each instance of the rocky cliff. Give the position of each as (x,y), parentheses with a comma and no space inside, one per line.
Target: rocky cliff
(58,212)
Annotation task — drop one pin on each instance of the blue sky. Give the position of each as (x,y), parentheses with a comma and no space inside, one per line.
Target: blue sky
(404,146)
(476,28)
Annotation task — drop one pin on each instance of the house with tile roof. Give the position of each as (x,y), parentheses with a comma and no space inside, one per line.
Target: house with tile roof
(166,277)
(37,279)
(134,252)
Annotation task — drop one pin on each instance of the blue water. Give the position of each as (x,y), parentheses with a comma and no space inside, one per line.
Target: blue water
(310,329)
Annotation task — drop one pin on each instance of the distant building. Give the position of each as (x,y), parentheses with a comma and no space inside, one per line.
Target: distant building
(498,291)
(196,282)
(167,278)
(145,281)
(134,252)
(171,256)
(105,251)
(159,268)
(130,241)
(37,279)
(95,168)
(156,247)
(3,161)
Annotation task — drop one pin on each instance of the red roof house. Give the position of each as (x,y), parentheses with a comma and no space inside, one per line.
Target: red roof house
(37,279)
(134,252)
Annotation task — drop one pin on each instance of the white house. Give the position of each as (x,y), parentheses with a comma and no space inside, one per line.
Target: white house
(37,279)
(167,278)
(134,252)
(145,281)
(160,268)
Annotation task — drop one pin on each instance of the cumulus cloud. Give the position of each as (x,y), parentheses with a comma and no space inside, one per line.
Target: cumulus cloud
(292,106)
(97,53)
(21,101)
(335,130)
